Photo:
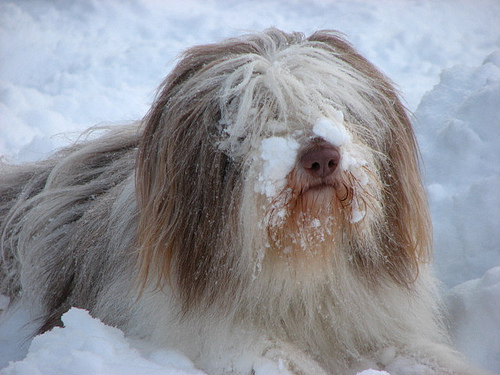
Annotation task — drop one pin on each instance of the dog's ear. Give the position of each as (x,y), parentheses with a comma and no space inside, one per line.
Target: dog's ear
(186,186)
(184,182)
(409,230)
(406,238)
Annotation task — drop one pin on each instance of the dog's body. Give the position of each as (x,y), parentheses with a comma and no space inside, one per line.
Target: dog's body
(269,207)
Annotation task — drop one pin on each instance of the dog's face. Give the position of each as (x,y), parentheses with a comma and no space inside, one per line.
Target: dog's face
(275,149)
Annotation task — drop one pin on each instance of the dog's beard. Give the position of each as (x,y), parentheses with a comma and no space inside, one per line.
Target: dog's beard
(313,221)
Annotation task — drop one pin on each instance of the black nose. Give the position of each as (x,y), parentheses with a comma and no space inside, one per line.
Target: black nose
(321,161)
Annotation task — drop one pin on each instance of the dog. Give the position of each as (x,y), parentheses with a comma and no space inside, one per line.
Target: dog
(268,209)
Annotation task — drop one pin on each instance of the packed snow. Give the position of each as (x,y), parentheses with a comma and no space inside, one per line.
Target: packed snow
(69,65)
(85,346)
(332,130)
(278,155)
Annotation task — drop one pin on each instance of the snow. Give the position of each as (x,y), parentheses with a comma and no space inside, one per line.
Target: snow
(85,346)
(475,307)
(461,120)
(279,155)
(332,131)
(69,65)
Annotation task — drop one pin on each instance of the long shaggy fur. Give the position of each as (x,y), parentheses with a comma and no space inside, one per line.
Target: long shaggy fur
(173,229)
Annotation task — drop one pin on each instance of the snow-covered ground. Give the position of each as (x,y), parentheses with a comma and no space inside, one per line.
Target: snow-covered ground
(68,65)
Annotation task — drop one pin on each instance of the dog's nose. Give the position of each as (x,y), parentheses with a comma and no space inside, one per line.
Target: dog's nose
(321,161)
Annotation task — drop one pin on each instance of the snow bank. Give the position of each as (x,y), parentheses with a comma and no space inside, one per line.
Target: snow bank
(459,124)
(85,346)
(475,316)
(15,330)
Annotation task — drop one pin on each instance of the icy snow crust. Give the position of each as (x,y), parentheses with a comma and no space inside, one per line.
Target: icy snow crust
(70,65)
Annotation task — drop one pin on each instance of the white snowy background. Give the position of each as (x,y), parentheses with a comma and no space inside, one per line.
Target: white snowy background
(67,65)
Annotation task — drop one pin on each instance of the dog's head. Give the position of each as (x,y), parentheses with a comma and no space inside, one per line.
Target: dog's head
(275,149)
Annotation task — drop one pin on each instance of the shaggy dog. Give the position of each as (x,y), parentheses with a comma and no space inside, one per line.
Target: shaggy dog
(268,209)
